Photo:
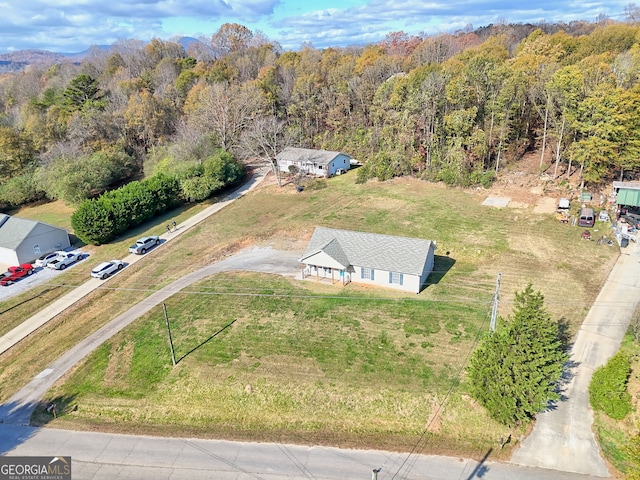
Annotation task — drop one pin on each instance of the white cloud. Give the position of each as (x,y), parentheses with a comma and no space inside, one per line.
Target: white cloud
(74,25)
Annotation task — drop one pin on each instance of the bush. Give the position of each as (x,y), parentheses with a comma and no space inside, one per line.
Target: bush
(100,220)
(608,389)
(76,179)
(19,191)
(201,179)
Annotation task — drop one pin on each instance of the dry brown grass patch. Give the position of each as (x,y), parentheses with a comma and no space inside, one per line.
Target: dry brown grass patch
(119,364)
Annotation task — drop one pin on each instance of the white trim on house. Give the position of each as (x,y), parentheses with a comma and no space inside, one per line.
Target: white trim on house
(322,163)
(401,263)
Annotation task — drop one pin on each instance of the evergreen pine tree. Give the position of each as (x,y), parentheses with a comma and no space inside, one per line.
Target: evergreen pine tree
(515,370)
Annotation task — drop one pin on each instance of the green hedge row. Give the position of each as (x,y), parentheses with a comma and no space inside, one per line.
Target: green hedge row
(100,220)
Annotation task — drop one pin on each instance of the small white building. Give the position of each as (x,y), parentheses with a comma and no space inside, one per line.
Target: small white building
(384,260)
(22,241)
(322,163)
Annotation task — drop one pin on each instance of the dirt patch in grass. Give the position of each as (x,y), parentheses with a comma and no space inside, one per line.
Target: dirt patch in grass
(546,205)
(119,364)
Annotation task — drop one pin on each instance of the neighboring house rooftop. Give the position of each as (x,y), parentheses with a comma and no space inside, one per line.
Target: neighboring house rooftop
(13,230)
(307,155)
(373,250)
(630,185)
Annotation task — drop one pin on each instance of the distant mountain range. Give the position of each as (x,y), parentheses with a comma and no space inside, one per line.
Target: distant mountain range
(19,60)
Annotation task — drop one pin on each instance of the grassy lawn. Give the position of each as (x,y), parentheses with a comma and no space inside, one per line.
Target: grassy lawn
(312,363)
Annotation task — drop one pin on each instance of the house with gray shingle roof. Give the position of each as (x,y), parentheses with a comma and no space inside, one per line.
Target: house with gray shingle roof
(22,241)
(389,261)
(322,163)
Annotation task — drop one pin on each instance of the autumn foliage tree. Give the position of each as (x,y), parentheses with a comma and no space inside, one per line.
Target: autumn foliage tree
(455,108)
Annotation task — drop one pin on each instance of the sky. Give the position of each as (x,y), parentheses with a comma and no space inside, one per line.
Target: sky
(71,26)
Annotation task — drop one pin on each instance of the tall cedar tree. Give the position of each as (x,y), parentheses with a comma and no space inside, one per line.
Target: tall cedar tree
(515,371)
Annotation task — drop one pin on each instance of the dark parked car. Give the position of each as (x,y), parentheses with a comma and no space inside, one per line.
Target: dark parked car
(632,219)
(586,217)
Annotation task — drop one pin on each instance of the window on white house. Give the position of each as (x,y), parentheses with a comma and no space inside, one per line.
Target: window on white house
(395,278)
(366,273)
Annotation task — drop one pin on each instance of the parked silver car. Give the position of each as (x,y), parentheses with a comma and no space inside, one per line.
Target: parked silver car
(104,269)
(144,244)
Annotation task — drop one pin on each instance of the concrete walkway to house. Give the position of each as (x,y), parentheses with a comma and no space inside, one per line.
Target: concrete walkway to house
(42,317)
(562,438)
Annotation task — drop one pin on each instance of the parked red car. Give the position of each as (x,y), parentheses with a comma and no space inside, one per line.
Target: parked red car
(14,273)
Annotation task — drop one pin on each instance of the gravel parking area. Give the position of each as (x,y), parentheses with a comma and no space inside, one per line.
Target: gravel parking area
(40,275)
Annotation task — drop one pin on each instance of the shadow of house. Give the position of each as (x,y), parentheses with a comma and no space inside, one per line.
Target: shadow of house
(441,266)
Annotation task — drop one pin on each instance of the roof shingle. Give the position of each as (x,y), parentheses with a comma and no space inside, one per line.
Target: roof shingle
(307,155)
(383,252)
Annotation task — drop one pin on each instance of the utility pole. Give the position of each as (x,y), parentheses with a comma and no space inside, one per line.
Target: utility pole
(166,319)
(374,474)
(494,308)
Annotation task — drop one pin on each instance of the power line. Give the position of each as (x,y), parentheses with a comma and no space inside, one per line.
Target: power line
(438,409)
(249,292)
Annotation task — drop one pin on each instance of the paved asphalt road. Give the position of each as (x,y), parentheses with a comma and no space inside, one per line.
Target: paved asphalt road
(562,442)
(97,456)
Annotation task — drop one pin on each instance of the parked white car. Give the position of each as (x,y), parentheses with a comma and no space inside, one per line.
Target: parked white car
(44,260)
(144,244)
(104,269)
(64,259)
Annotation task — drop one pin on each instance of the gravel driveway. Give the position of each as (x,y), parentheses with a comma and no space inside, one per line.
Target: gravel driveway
(40,275)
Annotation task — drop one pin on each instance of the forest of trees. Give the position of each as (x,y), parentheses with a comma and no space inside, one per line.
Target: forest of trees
(454,108)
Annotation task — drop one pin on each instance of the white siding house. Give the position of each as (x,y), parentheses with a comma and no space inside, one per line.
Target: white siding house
(22,241)
(322,163)
(384,260)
